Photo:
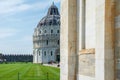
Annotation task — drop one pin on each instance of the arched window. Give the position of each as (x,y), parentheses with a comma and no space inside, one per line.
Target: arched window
(51,31)
(51,53)
(58,42)
(45,31)
(50,12)
(45,53)
(58,31)
(39,53)
(47,42)
(54,11)
(40,32)
(50,23)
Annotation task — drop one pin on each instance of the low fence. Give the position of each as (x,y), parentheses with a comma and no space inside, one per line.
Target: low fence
(20,76)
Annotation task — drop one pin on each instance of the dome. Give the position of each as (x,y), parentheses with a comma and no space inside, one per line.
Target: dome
(53,10)
(52,17)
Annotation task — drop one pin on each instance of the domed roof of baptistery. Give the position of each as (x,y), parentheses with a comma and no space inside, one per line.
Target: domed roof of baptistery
(52,17)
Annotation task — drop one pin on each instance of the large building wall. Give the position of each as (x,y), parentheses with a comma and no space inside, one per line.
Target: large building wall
(98,19)
(117,35)
(47,42)
(44,34)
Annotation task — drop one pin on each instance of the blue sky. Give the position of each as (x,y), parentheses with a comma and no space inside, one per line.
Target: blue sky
(18,18)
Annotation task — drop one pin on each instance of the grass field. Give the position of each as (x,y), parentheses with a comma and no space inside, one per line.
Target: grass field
(28,71)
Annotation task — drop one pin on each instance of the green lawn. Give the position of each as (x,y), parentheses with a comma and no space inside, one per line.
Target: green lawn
(28,71)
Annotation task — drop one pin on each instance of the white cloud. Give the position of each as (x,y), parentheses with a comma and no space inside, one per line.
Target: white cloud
(5,33)
(13,6)
(57,1)
(7,6)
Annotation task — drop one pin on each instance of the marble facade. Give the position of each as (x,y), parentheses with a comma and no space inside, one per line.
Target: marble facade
(90,39)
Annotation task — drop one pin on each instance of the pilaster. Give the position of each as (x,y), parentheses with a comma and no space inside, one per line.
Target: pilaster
(105,54)
(68,40)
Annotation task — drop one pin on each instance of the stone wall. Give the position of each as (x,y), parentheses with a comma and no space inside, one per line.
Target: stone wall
(45,42)
(117,35)
(87,65)
(105,55)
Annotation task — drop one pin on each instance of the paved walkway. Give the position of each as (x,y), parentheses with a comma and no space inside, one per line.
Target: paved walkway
(52,65)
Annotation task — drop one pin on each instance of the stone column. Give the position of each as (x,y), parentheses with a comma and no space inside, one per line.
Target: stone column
(80,30)
(105,68)
(81,24)
(68,40)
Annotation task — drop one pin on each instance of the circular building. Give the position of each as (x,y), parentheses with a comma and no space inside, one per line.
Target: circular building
(46,38)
